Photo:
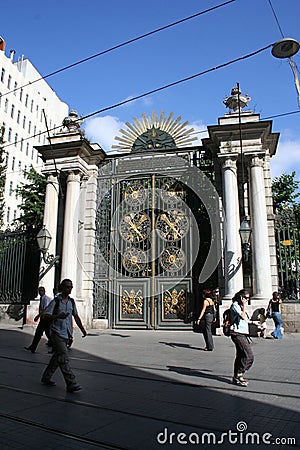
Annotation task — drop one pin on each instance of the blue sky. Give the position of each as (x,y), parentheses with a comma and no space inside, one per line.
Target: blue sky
(58,33)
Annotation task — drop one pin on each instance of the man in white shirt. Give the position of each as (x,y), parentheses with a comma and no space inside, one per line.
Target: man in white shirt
(60,312)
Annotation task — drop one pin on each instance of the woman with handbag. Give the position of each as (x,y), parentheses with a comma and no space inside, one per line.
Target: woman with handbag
(240,337)
(274,311)
(208,312)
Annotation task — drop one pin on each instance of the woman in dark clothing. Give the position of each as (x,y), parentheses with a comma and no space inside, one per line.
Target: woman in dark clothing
(274,308)
(209,313)
(239,335)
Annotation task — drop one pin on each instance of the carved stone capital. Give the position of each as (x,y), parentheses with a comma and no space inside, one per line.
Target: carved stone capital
(52,178)
(256,161)
(73,177)
(228,161)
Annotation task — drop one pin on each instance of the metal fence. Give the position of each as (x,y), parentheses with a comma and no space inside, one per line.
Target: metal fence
(288,256)
(19,266)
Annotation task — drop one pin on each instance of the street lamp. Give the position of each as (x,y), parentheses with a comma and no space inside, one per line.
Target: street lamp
(285,48)
(43,239)
(245,233)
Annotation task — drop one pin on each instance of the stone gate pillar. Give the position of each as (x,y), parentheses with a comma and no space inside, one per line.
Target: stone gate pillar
(50,222)
(262,282)
(232,243)
(70,234)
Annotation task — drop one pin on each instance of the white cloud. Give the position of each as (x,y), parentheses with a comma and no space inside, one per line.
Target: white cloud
(200,131)
(103,130)
(287,158)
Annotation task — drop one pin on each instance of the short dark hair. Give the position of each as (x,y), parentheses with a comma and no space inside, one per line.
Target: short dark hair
(62,283)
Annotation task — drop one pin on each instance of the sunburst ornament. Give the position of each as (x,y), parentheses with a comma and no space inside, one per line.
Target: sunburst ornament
(154,133)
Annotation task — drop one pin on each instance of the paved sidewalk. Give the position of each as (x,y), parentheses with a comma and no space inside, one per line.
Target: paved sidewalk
(144,390)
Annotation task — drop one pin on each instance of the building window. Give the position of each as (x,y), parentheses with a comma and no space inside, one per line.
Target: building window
(31,106)
(20,166)
(15,214)
(0,98)
(12,111)
(6,106)
(21,145)
(32,153)
(34,130)
(8,214)
(29,126)
(26,100)
(37,111)
(15,88)
(9,135)
(16,138)
(2,75)
(6,160)
(10,188)
(21,94)
(8,82)
(27,148)
(13,163)
(24,122)
(18,116)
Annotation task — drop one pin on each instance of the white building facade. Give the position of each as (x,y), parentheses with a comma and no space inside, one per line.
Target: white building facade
(24,103)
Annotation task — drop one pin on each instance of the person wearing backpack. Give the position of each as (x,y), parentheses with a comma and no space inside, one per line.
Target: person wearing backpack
(60,312)
(240,337)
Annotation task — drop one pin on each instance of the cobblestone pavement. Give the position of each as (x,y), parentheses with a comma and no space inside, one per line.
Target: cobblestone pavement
(144,390)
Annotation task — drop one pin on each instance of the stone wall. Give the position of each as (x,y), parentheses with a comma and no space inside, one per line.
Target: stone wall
(291,317)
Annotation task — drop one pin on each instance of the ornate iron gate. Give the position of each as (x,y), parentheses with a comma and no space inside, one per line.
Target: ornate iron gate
(288,256)
(145,252)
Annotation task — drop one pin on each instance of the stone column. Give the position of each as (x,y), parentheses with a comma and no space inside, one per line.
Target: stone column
(50,222)
(70,234)
(262,282)
(232,242)
(80,246)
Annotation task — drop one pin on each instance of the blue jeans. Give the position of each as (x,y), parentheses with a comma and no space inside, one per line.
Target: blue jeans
(276,316)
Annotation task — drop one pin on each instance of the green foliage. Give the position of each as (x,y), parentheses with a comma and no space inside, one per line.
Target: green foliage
(32,193)
(2,176)
(284,190)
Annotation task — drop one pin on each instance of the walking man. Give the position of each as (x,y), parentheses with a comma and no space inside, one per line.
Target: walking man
(43,325)
(60,312)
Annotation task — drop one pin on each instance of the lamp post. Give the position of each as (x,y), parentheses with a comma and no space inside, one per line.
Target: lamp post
(43,239)
(245,233)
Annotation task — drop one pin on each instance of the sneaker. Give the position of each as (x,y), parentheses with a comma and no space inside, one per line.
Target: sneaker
(239,381)
(48,382)
(74,388)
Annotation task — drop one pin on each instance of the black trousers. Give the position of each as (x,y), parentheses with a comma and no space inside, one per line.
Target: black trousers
(207,334)
(43,327)
(244,354)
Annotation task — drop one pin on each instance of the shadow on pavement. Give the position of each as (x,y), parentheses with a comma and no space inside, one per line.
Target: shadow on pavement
(126,406)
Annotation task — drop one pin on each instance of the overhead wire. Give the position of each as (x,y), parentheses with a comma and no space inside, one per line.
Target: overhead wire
(153,91)
(122,44)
